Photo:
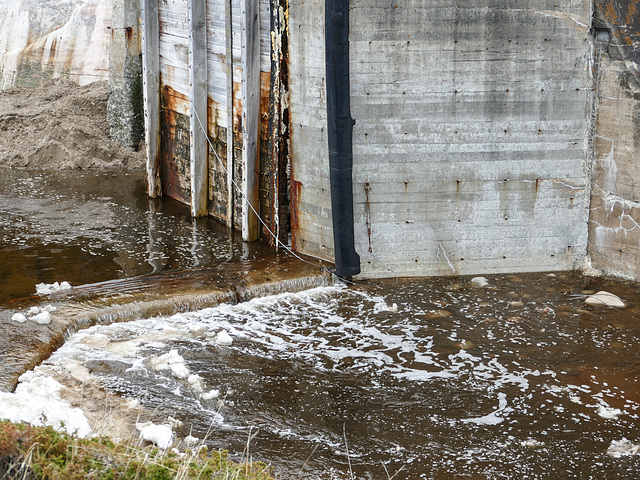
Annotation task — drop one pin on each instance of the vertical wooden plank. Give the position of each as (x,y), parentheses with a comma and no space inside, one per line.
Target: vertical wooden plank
(197,16)
(250,116)
(228,9)
(151,92)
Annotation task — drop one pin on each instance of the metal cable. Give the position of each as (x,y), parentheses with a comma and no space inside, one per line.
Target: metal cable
(285,247)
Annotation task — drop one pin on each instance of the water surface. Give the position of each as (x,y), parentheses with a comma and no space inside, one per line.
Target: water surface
(426,378)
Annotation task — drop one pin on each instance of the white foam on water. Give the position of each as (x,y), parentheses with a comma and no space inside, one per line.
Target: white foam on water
(42,318)
(315,329)
(223,338)
(623,448)
(46,289)
(495,417)
(19,317)
(37,401)
(608,412)
(161,435)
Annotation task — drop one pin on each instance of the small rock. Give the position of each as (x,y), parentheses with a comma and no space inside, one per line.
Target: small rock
(480,281)
(604,299)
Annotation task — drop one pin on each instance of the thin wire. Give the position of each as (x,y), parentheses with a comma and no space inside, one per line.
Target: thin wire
(244,197)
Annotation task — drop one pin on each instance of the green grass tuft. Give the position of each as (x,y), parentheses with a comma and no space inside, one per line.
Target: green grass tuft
(34,453)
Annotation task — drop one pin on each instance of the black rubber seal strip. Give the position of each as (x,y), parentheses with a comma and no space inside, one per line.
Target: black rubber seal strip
(340,135)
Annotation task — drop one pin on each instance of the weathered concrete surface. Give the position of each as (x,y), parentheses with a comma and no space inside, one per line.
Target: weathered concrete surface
(44,40)
(471,149)
(125,107)
(614,228)
(311,220)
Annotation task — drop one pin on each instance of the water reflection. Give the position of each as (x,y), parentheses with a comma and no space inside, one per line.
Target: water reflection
(91,226)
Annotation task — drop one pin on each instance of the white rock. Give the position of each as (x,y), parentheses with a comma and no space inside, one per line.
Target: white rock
(223,338)
(50,308)
(19,317)
(480,281)
(604,299)
(34,311)
(43,318)
(191,441)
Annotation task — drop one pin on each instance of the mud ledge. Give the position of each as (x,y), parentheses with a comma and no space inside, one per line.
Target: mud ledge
(61,125)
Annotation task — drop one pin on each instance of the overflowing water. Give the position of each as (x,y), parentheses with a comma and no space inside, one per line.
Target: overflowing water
(409,379)
(423,378)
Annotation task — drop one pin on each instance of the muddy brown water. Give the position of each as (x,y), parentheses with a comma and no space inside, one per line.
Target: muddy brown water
(418,378)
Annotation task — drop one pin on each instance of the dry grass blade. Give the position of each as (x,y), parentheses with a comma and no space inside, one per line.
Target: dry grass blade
(308,458)
(346,446)
(391,477)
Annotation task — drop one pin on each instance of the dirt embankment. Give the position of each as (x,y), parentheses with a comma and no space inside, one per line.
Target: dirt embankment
(60,126)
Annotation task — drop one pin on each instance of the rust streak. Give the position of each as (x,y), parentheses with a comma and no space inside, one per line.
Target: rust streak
(296,191)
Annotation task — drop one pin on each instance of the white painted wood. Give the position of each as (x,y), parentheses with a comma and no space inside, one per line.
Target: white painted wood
(250,117)
(229,75)
(151,92)
(198,103)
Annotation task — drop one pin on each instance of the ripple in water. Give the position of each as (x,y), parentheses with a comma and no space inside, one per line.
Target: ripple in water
(426,378)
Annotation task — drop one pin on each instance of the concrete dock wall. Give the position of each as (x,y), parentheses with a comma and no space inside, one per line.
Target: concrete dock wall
(490,136)
(471,143)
